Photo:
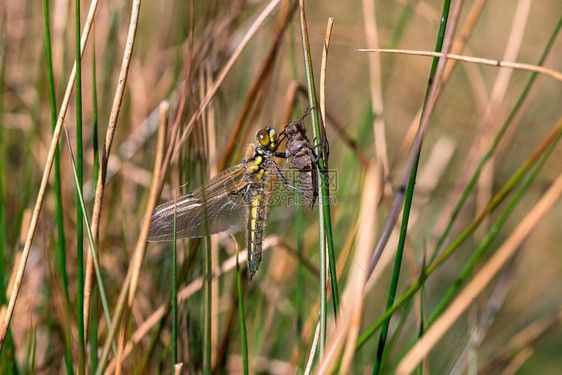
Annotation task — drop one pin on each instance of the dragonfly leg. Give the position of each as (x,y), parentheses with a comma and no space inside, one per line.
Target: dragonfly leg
(284,179)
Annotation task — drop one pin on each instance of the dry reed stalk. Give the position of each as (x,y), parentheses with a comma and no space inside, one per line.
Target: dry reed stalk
(370,21)
(486,127)
(476,60)
(323,67)
(140,247)
(110,132)
(345,335)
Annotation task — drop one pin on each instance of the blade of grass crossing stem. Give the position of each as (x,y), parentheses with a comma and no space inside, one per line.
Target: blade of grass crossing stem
(97,269)
(58,194)
(95,146)
(174,294)
(243,332)
(79,218)
(323,201)
(460,239)
(452,291)
(408,199)
(7,355)
(496,141)
(464,274)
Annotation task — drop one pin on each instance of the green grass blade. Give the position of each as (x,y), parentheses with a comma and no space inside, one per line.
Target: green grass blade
(7,360)
(97,268)
(243,332)
(57,192)
(174,296)
(409,197)
(208,306)
(326,237)
(79,218)
(93,324)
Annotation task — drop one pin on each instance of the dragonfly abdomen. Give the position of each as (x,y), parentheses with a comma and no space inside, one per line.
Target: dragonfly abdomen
(256,213)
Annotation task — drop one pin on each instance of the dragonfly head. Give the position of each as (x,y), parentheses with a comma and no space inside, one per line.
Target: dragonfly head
(267,138)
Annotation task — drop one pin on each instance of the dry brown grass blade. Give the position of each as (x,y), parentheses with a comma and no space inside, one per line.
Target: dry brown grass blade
(481,280)
(365,242)
(323,67)
(45,179)
(345,336)
(476,60)
(152,199)
(370,21)
(110,132)
(143,235)
(499,90)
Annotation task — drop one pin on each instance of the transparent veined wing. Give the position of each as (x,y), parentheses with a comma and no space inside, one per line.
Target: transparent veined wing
(219,203)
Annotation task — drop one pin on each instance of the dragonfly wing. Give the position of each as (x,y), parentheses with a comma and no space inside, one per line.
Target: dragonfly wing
(216,207)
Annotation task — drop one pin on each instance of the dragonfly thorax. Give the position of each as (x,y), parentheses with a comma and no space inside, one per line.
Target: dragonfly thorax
(256,161)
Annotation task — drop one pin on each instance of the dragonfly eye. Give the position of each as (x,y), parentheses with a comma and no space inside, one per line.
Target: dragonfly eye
(272,138)
(263,137)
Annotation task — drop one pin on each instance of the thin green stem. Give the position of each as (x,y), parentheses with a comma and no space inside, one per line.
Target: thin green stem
(95,146)
(7,355)
(409,195)
(397,265)
(94,331)
(79,218)
(97,269)
(57,192)
(243,332)
(174,295)
(421,327)
(326,237)
(208,305)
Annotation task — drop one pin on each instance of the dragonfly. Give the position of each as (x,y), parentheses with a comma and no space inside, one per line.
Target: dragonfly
(236,195)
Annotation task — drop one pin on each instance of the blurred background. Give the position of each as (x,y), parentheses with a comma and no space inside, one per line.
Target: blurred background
(513,327)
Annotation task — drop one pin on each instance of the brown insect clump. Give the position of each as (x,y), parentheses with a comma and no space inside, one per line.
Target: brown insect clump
(304,158)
